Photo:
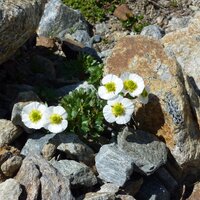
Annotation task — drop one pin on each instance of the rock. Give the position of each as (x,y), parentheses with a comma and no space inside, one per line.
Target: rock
(27,96)
(153,31)
(147,152)
(18,22)
(41,180)
(152,189)
(43,65)
(6,152)
(122,12)
(16,115)
(8,132)
(12,90)
(195,193)
(99,196)
(74,148)
(125,197)
(78,174)
(110,188)
(35,143)
(10,190)
(59,20)
(172,118)
(113,165)
(177,23)
(48,43)
(48,151)
(133,186)
(11,166)
(184,45)
(167,180)
(101,29)
(60,92)
(83,37)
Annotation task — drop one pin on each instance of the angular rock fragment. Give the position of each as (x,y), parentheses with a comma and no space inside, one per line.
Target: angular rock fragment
(41,180)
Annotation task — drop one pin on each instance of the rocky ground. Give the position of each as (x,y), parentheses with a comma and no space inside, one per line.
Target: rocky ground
(158,161)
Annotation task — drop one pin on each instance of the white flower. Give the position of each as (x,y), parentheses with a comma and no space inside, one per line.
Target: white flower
(33,115)
(56,119)
(133,84)
(118,110)
(112,85)
(144,96)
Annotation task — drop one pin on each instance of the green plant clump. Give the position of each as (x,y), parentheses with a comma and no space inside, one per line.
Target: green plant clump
(93,10)
(85,116)
(135,23)
(93,68)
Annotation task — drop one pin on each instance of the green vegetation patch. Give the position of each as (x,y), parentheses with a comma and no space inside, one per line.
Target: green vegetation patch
(94,10)
(85,114)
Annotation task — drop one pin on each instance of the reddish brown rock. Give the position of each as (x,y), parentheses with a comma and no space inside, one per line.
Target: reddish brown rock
(46,42)
(123,12)
(168,113)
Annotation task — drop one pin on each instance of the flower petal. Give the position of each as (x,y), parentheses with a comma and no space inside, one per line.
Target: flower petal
(107,113)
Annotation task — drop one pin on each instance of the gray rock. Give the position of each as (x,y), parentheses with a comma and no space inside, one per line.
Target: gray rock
(113,164)
(153,31)
(18,22)
(83,37)
(125,197)
(41,180)
(74,148)
(110,188)
(147,152)
(59,20)
(78,173)
(177,23)
(11,166)
(99,196)
(16,115)
(27,96)
(10,190)
(60,92)
(152,189)
(101,29)
(8,132)
(35,143)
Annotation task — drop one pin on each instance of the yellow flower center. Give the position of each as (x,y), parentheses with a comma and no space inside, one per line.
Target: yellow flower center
(55,119)
(110,87)
(130,85)
(118,109)
(144,93)
(35,116)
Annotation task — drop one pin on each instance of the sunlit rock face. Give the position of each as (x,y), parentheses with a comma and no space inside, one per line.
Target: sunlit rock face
(184,45)
(18,22)
(168,113)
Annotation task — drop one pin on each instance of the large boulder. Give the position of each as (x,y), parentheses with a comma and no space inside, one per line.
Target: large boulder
(184,44)
(18,22)
(62,22)
(168,113)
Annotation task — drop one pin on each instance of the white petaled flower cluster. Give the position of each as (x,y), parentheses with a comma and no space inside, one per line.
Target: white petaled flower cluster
(37,115)
(119,109)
